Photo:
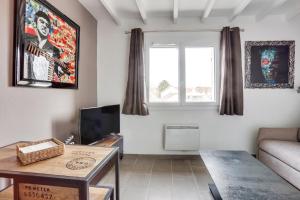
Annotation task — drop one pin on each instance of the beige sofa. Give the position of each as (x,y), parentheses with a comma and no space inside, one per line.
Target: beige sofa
(279,149)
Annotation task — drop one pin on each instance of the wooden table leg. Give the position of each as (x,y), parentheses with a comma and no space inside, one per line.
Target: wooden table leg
(84,191)
(117,176)
(16,190)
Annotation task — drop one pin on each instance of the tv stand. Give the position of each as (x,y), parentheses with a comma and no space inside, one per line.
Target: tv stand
(111,141)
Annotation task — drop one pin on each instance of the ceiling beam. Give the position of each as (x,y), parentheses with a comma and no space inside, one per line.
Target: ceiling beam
(208,8)
(175,11)
(142,10)
(111,11)
(292,14)
(239,9)
(267,11)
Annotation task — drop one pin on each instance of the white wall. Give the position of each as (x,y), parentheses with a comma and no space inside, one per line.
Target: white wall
(263,107)
(39,113)
(34,113)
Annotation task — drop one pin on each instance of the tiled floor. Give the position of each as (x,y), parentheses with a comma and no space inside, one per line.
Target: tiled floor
(162,178)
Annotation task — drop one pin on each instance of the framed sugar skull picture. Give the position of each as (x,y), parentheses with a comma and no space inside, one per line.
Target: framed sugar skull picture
(46,46)
(269,64)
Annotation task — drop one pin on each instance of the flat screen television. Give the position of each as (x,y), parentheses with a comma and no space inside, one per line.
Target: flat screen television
(99,122)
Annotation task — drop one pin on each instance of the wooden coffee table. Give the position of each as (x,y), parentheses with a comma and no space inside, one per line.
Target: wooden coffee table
(239,176)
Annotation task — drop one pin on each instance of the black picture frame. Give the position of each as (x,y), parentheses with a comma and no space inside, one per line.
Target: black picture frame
(269,64)
(46,46)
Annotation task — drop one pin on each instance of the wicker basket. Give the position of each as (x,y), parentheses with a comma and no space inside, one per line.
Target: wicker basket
(32,157)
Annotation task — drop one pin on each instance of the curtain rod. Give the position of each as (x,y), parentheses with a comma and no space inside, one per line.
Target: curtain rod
(182,30)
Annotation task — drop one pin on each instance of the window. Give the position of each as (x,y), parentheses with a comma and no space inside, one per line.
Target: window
(163,76)
(181,75)
(199,74)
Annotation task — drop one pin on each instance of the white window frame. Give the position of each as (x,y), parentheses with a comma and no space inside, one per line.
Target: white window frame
(184,102)
(181,45)
(148,75)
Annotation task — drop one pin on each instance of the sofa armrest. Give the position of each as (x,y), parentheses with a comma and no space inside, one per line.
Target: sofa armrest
(285,134)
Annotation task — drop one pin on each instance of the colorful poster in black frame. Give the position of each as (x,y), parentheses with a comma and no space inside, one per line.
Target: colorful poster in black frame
(46,46)
(269,64)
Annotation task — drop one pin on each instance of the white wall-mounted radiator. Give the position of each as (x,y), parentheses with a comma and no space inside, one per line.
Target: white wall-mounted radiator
(181,137)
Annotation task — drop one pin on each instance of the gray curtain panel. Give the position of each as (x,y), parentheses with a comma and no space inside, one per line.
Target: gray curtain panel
(232,102)
(134,103)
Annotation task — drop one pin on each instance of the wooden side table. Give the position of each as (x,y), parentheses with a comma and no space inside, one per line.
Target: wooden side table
(66,177)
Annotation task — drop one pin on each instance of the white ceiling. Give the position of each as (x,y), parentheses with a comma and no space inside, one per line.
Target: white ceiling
(120,10)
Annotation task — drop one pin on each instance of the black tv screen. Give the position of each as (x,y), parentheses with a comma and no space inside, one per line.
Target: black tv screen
(99,122)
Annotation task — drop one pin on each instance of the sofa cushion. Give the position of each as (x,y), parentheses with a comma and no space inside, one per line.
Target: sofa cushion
(286,151)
